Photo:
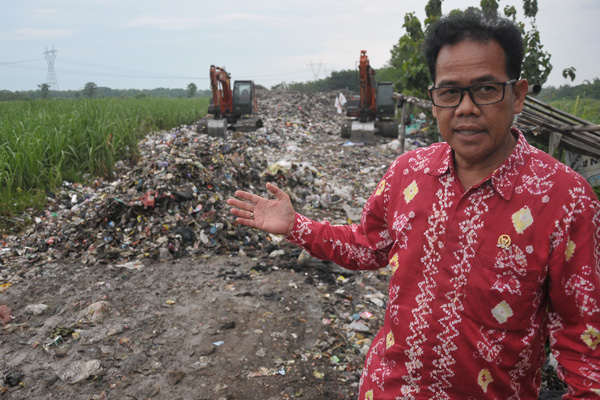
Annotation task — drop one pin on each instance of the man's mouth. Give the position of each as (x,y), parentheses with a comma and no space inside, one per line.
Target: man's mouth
(468,132)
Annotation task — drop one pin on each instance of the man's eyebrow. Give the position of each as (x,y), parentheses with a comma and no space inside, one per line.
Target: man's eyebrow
(484,79)
(475,81)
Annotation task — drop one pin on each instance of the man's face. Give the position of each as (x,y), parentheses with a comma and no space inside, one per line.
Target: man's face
(479,135)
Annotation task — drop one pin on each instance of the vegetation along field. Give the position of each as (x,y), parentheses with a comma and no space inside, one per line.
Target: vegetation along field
(43,142)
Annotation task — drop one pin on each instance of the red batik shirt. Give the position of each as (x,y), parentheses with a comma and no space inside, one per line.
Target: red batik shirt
(480,278)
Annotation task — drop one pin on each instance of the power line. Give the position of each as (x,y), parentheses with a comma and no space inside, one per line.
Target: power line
(120,72)
(20,62)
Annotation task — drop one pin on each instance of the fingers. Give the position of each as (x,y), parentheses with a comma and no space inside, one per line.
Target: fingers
(253,198)
(247,196)
(243,215)
(243,205)
(248,222)
(242,210)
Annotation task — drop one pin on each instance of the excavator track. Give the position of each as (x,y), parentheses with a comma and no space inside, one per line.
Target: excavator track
(389,128)
(249,124)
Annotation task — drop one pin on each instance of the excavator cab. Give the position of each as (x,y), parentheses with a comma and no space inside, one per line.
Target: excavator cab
(243,97)
(386,105)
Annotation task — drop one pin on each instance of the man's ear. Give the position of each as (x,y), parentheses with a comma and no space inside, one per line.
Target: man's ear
(433,107)
(520,91)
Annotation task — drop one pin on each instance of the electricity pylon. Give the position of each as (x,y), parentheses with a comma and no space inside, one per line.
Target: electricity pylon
(51,80)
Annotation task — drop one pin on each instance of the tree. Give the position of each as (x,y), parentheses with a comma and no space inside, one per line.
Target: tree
(44,90)
(89,89)
(569,73)
(536,64)
(191,90)
(411,75)
(344,79)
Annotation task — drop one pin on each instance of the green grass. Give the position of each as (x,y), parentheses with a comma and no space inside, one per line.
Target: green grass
(588,109)
(43,143)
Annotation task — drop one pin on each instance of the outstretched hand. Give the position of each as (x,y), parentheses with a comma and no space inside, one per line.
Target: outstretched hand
(274,216)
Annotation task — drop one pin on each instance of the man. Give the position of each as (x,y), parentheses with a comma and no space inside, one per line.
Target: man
(494,245)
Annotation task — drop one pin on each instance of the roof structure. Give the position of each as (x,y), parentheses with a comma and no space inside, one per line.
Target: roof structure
(559,129)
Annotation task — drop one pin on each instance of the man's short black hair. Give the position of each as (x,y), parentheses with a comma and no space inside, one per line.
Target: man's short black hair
(473,24)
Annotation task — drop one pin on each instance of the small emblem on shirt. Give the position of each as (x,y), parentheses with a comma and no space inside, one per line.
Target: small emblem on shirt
(484,379)
(522,219)
(502,312)
(411,191)
(389,342)
(380,187)
(591,337)
(504,242)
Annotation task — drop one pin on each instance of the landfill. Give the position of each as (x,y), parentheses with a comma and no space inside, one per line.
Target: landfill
(144,287)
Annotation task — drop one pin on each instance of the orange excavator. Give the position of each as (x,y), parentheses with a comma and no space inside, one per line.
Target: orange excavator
(373,111)
(230,109)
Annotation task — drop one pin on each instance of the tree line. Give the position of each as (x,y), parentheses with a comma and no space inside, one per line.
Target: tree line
(91,90)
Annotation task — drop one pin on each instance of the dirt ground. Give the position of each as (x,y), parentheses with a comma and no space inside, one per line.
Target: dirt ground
(218,328)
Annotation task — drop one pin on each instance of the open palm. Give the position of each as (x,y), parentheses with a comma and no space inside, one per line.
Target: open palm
(274,216)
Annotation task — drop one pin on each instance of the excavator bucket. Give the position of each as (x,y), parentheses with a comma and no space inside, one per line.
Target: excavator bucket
(362,132)
(217,128)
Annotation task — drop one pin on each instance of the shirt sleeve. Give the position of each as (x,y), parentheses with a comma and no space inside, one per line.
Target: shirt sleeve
(358,246)
(574,289)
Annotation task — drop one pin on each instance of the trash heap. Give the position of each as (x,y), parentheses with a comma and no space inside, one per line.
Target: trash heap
(171,203)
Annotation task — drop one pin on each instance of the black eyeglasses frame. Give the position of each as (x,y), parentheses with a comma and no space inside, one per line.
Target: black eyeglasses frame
(468,90)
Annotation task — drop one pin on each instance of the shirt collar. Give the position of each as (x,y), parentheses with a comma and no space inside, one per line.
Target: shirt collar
(503,178)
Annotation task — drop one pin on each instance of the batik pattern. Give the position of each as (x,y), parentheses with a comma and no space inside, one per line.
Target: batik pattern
(479,278)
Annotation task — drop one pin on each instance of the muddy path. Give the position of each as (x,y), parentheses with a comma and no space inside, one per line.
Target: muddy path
(207,328)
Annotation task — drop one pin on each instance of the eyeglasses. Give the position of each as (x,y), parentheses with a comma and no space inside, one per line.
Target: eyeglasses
(481,94)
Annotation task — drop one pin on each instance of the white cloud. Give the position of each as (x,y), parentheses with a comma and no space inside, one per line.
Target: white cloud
(33,33)
(170,24)
(42,13)
(186,23)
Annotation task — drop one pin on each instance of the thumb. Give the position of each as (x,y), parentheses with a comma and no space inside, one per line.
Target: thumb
(280,194)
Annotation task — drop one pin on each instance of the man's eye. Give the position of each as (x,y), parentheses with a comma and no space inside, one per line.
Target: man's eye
(449,91)
(486,89)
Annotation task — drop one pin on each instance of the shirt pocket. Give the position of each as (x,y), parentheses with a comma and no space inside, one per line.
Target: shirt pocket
(501,298)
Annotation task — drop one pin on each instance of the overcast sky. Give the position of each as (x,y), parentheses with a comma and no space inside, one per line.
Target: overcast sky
(145,44)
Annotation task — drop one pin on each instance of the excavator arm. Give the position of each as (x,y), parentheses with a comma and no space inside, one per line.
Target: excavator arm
(367,88)
(220,84)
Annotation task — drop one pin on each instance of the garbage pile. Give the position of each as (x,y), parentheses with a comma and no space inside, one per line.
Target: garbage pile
(171,203)
(106,248)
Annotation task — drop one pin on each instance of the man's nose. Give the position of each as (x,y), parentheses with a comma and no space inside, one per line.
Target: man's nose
(467,103)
